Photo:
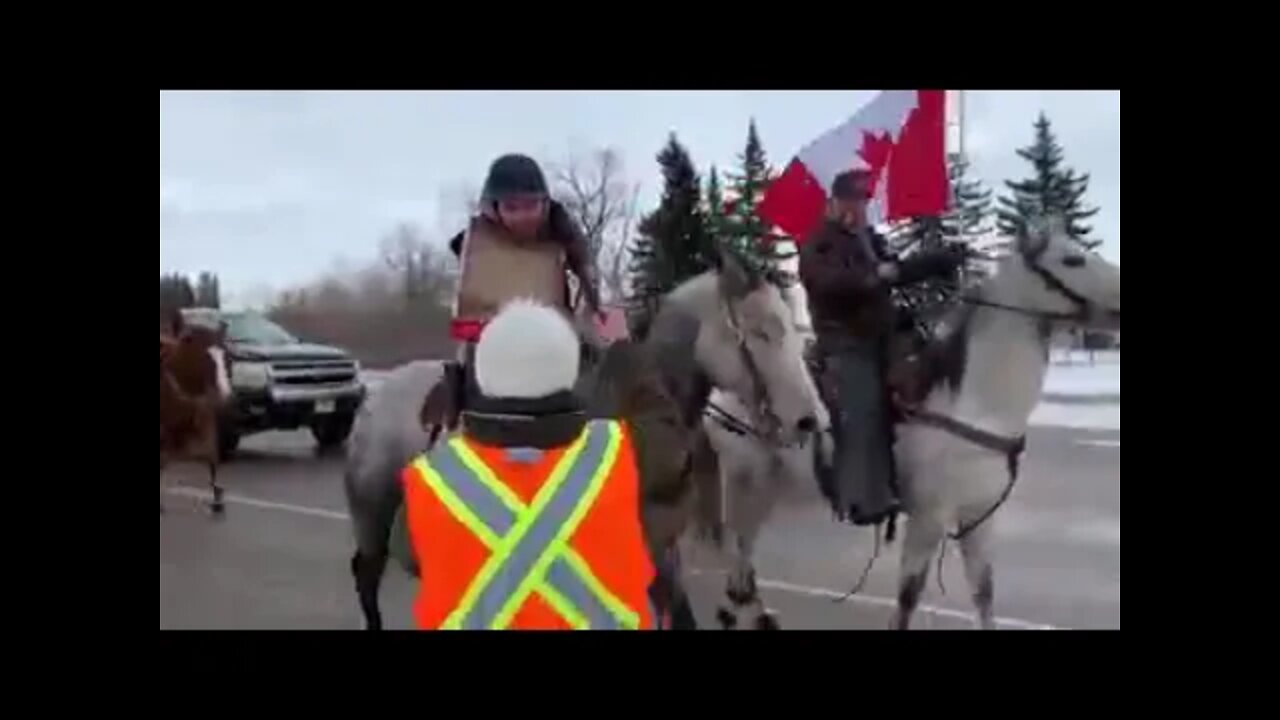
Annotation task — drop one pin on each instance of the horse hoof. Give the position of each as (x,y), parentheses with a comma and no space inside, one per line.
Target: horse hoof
(218,508)
(767,621)
(727,620)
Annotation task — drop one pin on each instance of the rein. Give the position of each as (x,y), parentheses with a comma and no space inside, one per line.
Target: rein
(764,409)
(1011,448)
(728,421)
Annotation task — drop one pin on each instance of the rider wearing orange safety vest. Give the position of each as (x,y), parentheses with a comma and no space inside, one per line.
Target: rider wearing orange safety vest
(530,517)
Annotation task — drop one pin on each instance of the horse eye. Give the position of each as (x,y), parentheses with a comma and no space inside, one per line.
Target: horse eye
(1073,261)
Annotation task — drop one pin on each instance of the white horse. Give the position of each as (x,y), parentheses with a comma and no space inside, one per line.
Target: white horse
(725,329)
(754,472)
(957,457)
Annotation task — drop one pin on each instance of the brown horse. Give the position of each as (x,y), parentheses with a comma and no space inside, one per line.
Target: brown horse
(193,388)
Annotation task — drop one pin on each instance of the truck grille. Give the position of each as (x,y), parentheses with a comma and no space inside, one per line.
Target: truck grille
(312,372)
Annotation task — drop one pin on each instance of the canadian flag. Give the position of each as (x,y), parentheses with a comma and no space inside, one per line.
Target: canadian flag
(900,137)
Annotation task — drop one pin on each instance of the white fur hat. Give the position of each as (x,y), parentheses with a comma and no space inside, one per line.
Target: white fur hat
(528,350)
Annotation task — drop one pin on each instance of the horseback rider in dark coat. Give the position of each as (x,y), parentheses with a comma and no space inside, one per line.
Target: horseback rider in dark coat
(848,272)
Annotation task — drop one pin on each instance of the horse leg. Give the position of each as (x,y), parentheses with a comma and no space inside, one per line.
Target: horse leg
(924,534)
(162,483)
(216,506)
(680,608)
(744,594)
(671,605)
(750,504)
(367,569)
(976,550)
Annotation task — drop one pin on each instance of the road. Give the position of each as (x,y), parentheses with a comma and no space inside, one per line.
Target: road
(278,558)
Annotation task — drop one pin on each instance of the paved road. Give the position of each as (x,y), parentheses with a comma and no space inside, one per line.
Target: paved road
(278,559)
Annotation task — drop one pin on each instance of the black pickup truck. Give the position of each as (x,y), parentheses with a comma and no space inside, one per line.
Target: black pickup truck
(281,383)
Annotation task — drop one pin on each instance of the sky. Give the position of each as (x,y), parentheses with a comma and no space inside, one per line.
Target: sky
(273,189)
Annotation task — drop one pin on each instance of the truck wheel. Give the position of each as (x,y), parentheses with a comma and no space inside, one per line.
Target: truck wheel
(331,432)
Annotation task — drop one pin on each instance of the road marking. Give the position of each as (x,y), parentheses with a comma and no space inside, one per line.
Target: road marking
(1100,443)
(264,504)
(783,586)
(877,601)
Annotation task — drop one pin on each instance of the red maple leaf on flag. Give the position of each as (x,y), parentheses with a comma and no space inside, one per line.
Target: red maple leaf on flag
(876,150)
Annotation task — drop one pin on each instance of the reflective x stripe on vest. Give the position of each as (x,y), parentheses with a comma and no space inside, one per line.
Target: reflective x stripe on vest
(529,550)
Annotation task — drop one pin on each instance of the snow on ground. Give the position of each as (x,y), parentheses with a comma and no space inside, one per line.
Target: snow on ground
(1103,416)
(1083,379)
(1072,376)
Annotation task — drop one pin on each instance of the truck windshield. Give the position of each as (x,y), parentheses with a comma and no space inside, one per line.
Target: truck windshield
(256,330)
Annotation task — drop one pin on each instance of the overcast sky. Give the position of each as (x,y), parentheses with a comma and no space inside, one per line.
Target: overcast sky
(270,189)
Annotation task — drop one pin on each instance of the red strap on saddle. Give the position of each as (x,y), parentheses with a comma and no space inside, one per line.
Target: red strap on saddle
(466,330)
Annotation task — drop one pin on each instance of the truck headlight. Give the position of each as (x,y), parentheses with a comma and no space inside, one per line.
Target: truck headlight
(250,375)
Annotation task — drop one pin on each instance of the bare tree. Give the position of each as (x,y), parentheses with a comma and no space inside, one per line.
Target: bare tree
(421,269)
(455,205)
(595,192)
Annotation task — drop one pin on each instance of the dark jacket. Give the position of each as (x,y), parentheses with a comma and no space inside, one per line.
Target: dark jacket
(563,230)
(846,294)
(839,276)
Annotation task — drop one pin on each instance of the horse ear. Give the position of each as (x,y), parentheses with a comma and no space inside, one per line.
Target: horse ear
(737,278)
(1055,225)
(1034,236)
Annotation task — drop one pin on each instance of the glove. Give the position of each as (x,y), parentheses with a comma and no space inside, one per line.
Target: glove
(925,265)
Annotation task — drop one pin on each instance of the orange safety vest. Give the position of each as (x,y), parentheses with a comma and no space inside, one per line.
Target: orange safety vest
(526,539)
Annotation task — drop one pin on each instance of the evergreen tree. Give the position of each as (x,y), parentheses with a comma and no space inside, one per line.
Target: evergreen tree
(966,221)
(207,293)
(1054,189)
(743,229)
(715,212)
(176,292)
(672,243)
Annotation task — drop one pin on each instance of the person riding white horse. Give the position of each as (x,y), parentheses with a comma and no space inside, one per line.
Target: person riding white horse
(960,437)
(848,272)
(521,244)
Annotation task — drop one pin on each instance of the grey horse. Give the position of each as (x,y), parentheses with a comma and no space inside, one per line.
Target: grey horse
(958,453)
(727,328)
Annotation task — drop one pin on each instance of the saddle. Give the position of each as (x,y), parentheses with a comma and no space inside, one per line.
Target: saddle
(444,403)
(913,364)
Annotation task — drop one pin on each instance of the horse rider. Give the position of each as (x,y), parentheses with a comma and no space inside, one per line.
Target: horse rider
(522,244)
(529,517)
(847,272)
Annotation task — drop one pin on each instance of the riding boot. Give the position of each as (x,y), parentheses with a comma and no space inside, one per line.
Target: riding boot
(863,478)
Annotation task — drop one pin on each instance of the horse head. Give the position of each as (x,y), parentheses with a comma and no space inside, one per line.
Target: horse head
(1053,276)
(200,359)
(757,352)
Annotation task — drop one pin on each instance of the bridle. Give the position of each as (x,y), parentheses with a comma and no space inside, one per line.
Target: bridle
(763,409)
(1031,260)
(1010,448)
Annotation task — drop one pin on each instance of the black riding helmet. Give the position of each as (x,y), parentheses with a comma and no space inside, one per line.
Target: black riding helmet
(513,175)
